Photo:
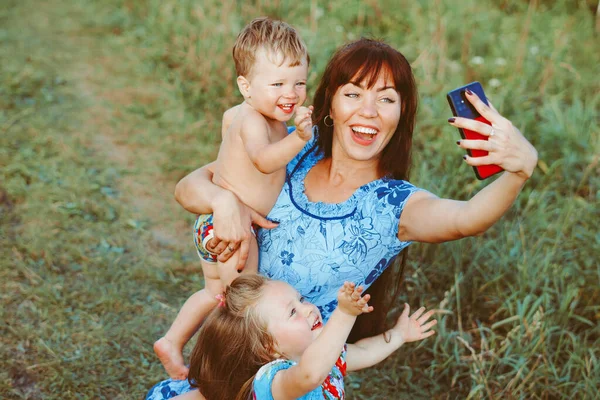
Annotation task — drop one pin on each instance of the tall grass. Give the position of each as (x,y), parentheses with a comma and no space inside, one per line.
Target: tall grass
(89,278)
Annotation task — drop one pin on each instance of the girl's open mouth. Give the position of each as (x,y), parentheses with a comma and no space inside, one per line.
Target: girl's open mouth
(316,325)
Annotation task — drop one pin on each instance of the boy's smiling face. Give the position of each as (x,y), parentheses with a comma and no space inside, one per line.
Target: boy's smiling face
(274,88)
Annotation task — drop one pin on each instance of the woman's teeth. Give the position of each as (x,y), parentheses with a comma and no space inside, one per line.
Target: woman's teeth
(361,129)
(365,133)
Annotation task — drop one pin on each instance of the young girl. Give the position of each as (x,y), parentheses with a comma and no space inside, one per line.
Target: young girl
(266,342)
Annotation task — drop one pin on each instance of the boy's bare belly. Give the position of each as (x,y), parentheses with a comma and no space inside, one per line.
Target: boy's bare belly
(255,189)
(235,171)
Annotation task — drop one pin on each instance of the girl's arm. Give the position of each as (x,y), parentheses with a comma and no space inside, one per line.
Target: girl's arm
(369,351)
(191,395)
(269,157)
(427,218)
(320,357)
(232,219)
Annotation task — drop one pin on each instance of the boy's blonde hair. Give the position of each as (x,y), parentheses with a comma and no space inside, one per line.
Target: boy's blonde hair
(233,343)
(276,37)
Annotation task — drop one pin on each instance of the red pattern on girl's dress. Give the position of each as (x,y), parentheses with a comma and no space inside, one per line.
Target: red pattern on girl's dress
(329,388)
(341,364)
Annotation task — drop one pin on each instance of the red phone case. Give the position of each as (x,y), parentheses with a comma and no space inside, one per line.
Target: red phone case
(482,171)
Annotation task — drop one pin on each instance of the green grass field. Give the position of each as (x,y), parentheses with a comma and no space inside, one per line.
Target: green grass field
(104,106)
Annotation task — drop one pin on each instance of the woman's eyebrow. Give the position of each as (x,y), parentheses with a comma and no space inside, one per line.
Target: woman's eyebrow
(381,89)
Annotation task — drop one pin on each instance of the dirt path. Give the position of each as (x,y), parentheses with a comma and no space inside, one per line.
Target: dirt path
(112,89)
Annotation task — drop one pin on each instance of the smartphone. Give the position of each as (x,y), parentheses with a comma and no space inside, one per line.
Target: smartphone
(461,107)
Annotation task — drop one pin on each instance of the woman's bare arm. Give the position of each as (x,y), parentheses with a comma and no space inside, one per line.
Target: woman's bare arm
(232,219)
(427,218)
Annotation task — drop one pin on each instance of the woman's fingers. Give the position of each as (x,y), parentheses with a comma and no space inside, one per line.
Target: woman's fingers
(483,108)
(262,221)
(220,245)
(212,244)
(224,251)
(477,161)
(244,251)
(475,144)
(473,125)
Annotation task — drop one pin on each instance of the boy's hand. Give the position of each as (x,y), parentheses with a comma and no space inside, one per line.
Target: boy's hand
(350,301)
(303,123)
(416,327)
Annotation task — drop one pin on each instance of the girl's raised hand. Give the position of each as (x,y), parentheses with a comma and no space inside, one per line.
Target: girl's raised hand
(506,145)
(350,300)
(414,327)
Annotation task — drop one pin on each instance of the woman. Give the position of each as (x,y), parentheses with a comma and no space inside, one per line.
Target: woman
(346,210)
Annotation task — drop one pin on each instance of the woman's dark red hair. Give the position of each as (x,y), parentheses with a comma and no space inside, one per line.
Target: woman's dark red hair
(363,61)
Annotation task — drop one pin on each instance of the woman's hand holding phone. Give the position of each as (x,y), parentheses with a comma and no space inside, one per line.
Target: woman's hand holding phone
(506,146)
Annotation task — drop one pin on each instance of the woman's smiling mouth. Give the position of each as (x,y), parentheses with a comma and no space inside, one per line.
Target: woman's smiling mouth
(363,135)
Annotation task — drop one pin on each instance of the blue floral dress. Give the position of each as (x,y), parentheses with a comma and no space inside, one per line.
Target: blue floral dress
(318,246)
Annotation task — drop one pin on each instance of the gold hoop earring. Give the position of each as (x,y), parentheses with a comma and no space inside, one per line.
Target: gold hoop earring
(325,121)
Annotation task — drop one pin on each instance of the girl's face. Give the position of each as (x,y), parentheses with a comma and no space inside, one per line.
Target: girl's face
(364,119)
(293,322)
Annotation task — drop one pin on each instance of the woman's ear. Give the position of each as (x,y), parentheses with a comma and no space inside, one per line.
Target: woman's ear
(244,86)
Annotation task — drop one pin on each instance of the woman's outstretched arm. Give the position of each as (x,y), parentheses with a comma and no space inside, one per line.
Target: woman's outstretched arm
(427,218)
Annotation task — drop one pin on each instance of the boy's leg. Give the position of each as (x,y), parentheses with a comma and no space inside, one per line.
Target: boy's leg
(228,271)
(169,348)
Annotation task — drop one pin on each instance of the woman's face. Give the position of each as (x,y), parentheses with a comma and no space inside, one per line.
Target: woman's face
(364,119)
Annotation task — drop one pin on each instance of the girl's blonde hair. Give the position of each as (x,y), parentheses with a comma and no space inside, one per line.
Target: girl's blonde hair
(233,343)
(276,37)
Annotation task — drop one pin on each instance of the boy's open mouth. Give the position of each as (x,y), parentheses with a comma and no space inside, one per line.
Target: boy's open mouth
(287,108)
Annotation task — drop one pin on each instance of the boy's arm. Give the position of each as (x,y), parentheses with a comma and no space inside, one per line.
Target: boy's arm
(320,357)
(369,351)
(269,157)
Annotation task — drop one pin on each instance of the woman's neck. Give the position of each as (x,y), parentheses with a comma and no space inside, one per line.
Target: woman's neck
(350,173)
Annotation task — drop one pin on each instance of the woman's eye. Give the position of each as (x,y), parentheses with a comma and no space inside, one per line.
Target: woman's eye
(352,95)
(279,84)
(388,100)
(301,84)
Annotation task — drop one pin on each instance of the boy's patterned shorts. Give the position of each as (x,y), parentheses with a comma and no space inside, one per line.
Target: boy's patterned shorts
(203,232)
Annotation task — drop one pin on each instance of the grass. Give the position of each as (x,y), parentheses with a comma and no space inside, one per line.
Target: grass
(105,105)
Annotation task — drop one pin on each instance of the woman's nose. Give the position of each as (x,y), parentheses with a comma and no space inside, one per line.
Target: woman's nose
(368,109)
